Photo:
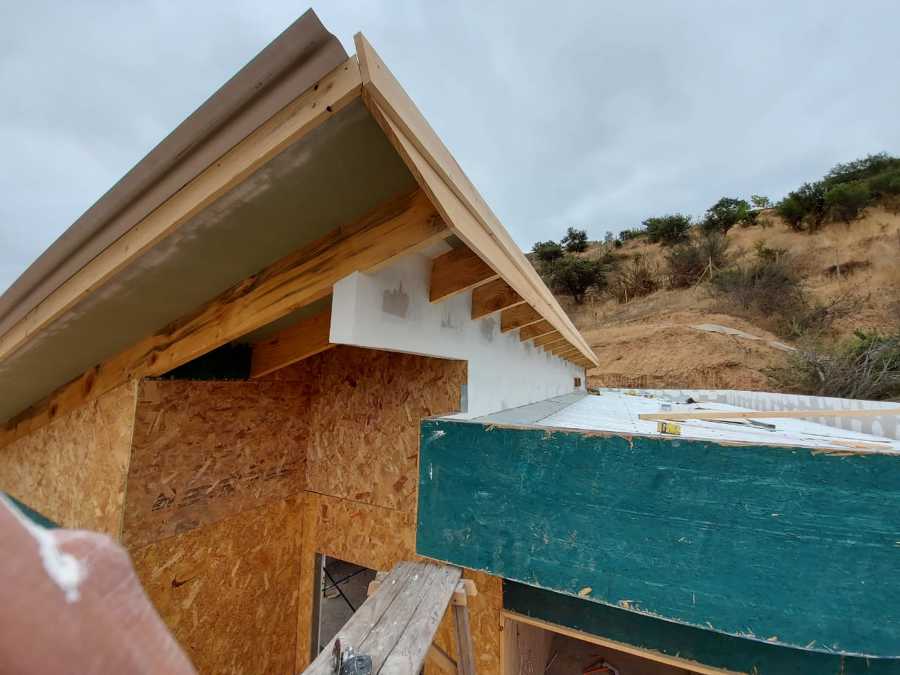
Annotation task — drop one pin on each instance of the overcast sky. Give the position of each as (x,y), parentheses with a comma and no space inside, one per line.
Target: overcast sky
(595,114)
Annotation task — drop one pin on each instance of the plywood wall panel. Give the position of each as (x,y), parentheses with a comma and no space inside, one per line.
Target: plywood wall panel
(204,451)
(365,419)
(73,470)
(229,591)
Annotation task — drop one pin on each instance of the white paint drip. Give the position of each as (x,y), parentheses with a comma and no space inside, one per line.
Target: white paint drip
(64,569)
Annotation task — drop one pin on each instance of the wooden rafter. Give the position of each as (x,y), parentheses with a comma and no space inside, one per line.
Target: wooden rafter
(536,330)
(453,194)
(400,226)
(548,339)
(456,271)
(517,317)
(492,297)
(295,343)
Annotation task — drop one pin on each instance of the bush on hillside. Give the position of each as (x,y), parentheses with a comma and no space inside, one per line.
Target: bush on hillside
(691,262)
(634,233)
(668,230)
(845,201)
(866,367)
(547,251)
(804,208)
(576,276)
(634,280)
(760,202)
(575,241)
(725,214)
(886,184)
(861,169)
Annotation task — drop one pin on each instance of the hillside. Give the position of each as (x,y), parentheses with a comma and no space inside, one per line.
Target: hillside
(695,337)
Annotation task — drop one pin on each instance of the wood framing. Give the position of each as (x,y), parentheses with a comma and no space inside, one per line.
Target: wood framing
(456,271)
(547,339)
(518,317)
(452,193)
(536,330)
(308,111)
(493,297)
(403,225)
(295,343)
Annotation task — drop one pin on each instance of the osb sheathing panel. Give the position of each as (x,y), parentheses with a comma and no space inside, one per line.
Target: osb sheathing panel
(73,470)
(364,420)
(228,591)
(206,450)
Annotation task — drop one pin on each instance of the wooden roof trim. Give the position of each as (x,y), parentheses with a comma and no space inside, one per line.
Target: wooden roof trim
(454,195)
(308,111)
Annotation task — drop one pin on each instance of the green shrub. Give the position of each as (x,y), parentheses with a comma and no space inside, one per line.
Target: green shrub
(760,202)
(669,230)
(575,241)
(866,367)
(766,253)
(886,184)
(845,201)
(725,214)
(804,208)
(689,263)
(634,280)
(635,233)
(547,251)
(576,276)
(861,169)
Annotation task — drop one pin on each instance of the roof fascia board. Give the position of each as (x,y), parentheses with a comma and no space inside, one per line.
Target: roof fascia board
(441,176)
(306,112)
(292,63)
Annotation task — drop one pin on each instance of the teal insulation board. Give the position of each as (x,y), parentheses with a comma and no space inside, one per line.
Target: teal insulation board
(709,648)
(787,546)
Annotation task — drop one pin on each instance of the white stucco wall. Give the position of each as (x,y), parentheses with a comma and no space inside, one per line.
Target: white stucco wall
(390,310)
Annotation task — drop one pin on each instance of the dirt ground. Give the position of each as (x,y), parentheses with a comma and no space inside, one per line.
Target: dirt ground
(651,341)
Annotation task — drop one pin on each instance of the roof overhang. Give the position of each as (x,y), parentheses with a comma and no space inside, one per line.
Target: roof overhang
(301,142)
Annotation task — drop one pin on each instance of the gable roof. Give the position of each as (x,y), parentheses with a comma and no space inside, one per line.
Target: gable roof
(301,141)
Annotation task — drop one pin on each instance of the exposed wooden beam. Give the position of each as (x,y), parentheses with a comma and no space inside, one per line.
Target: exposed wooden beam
(457,271)
(518,317)
(308,111)
(402,225)
(536,330)
(548,339)
(561,348)
(453,194)
(493,297)
(295,343)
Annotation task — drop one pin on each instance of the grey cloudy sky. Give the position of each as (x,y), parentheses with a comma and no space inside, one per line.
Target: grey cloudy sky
(595,114)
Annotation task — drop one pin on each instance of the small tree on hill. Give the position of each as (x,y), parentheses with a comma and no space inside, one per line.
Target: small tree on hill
(576,276)
(804,208)
(725,214)
(669,230)
(575,241)
(760,202)
(547,251)
(846,201)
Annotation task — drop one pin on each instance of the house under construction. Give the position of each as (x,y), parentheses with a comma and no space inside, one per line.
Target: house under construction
(294,337)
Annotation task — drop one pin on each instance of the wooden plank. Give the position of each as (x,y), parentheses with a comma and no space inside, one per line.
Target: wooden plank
(402,225)
(311,109)
(766,414)
(526,648)
(408,654)
(442,660)
(456,271)
(518,317)
(549,339)
(295,343)
(464,639)
(493,297)
(532,641)
(707,563)
(454,196)
(536,330)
